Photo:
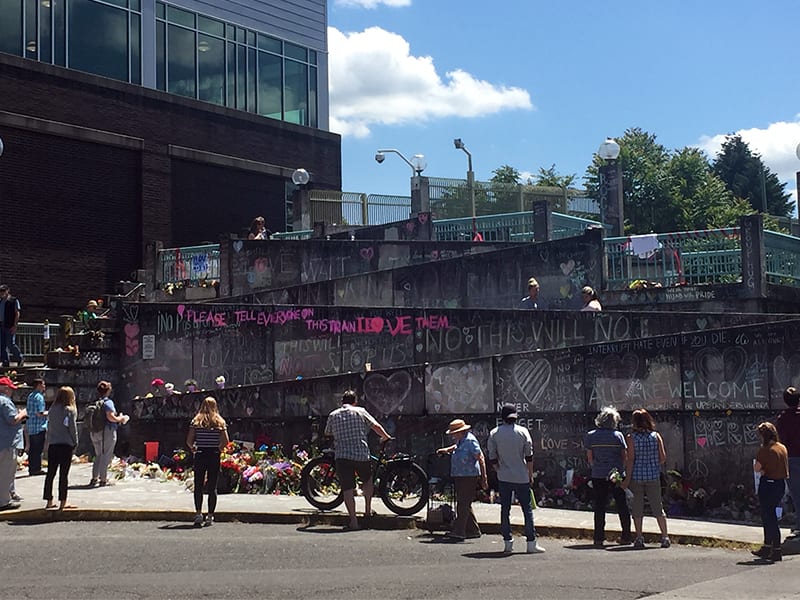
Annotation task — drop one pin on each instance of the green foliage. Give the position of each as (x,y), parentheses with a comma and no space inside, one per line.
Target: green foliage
(746,176)
(550,177)
(677,191)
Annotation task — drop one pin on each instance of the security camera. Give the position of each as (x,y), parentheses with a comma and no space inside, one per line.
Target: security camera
(380,157)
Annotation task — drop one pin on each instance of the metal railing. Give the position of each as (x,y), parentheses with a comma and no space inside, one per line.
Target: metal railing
(30,339)
(686,257)
(190,263)
(352,208)
(782,258)
(517,227)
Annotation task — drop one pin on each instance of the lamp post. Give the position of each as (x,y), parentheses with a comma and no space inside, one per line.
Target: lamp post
(470,184)
(420,199)
(797,188)
(610,191)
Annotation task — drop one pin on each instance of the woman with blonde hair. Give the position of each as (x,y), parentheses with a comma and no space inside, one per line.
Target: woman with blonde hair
(208,435)
(62,438)
(645,456)
(772,462)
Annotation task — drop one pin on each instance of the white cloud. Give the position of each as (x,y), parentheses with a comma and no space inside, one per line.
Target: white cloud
(777,145)
(374,78)
(373,3)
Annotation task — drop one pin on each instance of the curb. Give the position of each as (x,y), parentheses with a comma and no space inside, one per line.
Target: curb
(379,522)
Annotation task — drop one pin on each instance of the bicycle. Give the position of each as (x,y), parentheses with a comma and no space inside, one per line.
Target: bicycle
(400,482)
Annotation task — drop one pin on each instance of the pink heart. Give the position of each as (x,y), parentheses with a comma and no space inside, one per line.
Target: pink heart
(375,324)
(701,441)
(131,330)
(180,309)
(367,253)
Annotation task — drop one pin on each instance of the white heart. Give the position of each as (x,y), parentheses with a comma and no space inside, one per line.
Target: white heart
(237,246)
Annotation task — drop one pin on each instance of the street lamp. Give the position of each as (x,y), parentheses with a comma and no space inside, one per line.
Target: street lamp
(417,162)
(610,191)
(420,194)
(470,184)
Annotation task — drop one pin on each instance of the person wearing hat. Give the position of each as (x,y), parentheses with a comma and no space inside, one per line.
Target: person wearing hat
(530,301)
(10,436)
(468,470)
(590,301)
(510,450)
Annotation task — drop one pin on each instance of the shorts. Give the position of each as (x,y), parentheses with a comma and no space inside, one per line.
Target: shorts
(347,469)
(653,491)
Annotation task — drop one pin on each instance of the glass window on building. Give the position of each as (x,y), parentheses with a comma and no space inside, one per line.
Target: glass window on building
(181,65)
(11,26)
(270,84)
(98,39)
(295,93)
(211,69)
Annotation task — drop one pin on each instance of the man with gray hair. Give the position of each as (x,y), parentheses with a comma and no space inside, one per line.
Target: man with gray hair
(605,451)
(10,436)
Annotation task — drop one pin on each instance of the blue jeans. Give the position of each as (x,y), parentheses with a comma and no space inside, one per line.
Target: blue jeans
(8,340)
(523,494)
(794,487)
(770,494)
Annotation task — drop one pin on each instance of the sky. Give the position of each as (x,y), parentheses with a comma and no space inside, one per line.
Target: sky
(536,83)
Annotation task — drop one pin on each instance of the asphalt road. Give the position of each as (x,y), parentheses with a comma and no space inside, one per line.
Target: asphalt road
(133,560)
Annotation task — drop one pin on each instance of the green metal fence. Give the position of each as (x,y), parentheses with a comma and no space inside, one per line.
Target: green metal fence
(782,258)
(685,257)
(353,208)
(517,227)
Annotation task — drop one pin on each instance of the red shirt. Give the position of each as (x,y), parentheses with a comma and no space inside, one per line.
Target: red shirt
(788,426)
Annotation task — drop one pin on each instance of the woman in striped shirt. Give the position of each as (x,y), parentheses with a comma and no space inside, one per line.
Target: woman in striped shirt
(208,435)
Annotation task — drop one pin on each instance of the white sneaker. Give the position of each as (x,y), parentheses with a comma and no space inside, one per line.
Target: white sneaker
(535,548)
(209,520)
(508,546)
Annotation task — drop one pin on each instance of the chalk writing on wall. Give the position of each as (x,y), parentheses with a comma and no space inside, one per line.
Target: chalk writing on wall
(459,388)
(541,381)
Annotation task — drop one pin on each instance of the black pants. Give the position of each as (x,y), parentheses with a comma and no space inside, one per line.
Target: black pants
(770,494)
(59,457)
(206,465)
(35,449)
(601,488)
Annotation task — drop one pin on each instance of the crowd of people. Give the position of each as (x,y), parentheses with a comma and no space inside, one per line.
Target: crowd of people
(625,467)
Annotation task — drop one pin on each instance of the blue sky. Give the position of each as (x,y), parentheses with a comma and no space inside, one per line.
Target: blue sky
(532,83)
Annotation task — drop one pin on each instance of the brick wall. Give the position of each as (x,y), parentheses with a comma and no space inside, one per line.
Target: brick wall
(95,169)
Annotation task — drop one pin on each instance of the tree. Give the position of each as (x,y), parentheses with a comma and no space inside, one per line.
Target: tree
(504,194)
(647,201)
(701,197)
(550,177)
(747,177)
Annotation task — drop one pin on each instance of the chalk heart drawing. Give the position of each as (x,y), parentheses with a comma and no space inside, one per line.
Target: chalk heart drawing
(786,372)
(567,267)
(564,289)
(180,308)
(701,441)
(713,365)
(467,331)
(131,330)
(532,377)
(387,394)
(237,246)
(702,323)
(367,253)
(621,367)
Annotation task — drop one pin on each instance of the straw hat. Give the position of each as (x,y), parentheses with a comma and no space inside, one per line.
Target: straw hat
(456,426)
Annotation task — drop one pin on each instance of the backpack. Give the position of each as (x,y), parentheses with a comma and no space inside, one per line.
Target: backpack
(95,417)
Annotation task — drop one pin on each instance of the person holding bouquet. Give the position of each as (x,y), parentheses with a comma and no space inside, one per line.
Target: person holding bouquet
(208,435)
(605,451)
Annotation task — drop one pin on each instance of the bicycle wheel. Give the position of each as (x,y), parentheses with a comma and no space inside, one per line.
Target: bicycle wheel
(319,483)
(404,488)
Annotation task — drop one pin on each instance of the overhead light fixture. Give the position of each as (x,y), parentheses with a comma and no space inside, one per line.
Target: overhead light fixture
(203,46)
(46,3)
(300,177)
(31,46)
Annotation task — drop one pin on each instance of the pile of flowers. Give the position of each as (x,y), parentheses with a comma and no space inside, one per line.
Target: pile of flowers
(574,493)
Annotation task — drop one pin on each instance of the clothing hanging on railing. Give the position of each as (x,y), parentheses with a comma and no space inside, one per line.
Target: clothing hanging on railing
(643,246)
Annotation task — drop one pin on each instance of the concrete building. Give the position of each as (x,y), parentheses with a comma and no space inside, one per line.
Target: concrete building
(131,121)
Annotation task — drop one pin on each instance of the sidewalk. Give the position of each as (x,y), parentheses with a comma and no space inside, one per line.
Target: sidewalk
(150,499)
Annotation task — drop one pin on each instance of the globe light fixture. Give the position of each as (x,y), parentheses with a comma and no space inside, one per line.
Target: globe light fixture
(609,150)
